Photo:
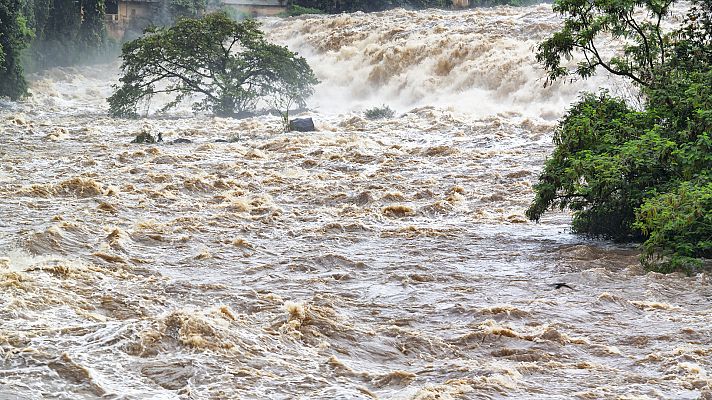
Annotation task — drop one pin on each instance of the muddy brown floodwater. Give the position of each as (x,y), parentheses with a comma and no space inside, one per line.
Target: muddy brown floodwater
(370,260)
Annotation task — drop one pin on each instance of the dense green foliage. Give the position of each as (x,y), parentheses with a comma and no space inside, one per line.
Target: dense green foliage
(13,38)
(36,34)
(678,226)
(228,64)
(65,32)
(39,34)
(636,174)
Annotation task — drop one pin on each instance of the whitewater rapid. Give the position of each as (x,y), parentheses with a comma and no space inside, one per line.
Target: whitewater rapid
(381,259)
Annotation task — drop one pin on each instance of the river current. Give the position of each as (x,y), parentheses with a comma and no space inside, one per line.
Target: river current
(384,259)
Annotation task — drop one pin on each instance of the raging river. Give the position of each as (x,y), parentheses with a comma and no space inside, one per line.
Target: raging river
(369,260)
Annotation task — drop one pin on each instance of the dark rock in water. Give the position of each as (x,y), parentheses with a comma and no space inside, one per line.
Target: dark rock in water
(144,137)
(160,137)
(302,125)
(181,140)
(222,141)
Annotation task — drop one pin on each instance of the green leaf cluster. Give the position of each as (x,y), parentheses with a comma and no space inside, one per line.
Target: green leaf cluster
(636,174)
(677,225)
(228,64)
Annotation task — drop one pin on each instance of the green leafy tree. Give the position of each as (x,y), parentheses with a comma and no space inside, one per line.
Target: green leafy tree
(228,63)
(628,174)
(589,23)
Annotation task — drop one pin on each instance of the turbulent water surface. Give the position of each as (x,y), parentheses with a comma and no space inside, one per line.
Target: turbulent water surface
(372,259)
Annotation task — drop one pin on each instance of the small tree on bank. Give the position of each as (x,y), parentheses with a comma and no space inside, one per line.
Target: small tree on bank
(228,63)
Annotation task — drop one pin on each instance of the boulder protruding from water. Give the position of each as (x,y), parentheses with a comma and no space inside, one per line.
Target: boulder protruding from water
(302,125)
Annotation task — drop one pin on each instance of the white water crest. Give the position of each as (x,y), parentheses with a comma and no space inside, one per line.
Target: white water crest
(479,61)
(384,259)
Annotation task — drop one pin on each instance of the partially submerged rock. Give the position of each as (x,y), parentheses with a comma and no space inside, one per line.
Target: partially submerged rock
(302,125)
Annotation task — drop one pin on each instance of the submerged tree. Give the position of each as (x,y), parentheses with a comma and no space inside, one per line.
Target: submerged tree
(230,64)
(628,174)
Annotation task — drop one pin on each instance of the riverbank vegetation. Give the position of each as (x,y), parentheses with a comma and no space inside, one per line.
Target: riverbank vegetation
(41,34)
(13,39)
(36,34)
(229,64)
(628,173)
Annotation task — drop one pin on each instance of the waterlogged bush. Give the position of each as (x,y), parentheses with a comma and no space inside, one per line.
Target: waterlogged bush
(382,112)
(636,175)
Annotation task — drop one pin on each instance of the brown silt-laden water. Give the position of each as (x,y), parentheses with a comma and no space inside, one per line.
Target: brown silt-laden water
(381,259)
